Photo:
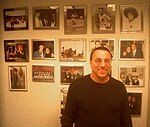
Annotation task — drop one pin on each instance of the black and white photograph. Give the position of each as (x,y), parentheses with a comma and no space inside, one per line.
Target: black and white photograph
(103,18)
(135,103)
(72,49)
(131,18)
(132,76)
(75,20)
(17,77)
(16,19)
(131,49)
(70,73)
(42,73)
(46,18)
(43,49)
(16,50)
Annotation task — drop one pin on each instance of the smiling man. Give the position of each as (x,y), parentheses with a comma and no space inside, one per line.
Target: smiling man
(97,99)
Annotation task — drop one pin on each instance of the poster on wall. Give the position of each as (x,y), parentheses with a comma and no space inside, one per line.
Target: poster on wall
(16,19)
(131,18)
(135,103)
(103,18)
(46,18)
(132,76)
(17,77)
(42,73)
(16,50)
(75,20)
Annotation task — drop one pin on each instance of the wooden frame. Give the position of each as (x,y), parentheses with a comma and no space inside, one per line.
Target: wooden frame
(43,49)
(75,20)
(43,73)
(16,19)
(46,18)
(17,77)
(16,50)
(103,18)
(131,17)
(72,49)
(133,76)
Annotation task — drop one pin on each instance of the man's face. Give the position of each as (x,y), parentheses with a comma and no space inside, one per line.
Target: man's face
(130,17)
(101,64)
(133,46)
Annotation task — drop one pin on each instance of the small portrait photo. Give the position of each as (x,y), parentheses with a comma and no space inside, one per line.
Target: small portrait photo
(134,101)
(131,18)
(132,49)
(70,73)
(64,91)
(75,20)
(43,49)
(72,49)
(16,50)
(16,19)
(103,18)
(46,18)
(42,73)
(132,76)
(17,77)
(108,43)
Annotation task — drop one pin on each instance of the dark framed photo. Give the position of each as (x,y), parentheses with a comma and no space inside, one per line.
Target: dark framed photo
(75,19)
(131,18)
(16,19)
(16,50)
(43,49)
(135,103)
(42,73)
(132,76)
(17,77)
(46,18)
(70,73)
(103,18)
(131,49)
(72,49)
(108,43)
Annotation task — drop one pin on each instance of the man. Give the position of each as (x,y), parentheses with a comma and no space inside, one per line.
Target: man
(97,100)
(40,52)
(136,53)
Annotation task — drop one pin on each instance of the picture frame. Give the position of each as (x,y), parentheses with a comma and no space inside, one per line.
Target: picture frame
(103,18)
(131,49)
(43,73)
(75,19)
(17,78)
(16,50)
(135,103)
(72,49)
(64,91)
(43,49)
(133,76)
(70,73)
(16,19)
(131,17)
(46,18)
(99,42)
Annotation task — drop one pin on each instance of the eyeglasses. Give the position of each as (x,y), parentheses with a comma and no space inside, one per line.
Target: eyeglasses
(99,61)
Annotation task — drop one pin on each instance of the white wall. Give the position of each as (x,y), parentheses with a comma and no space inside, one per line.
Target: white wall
(40,105)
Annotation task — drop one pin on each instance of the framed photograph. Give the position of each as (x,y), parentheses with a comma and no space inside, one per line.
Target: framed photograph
(17,77)
(72,49)
(42,73)
(131,18)
(70,73)
(16,19)
(64,91)
(103,18)
(43,49)
(108,43)
(135,103)
(46,18)
(131,49)
(16,50)
(132,76)
(75,19)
